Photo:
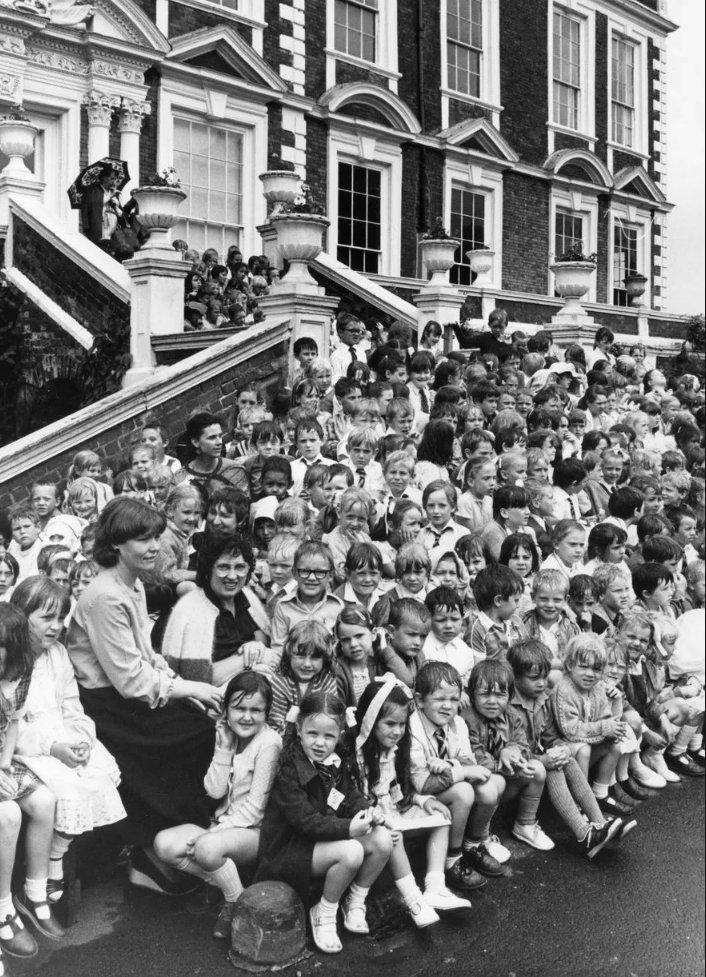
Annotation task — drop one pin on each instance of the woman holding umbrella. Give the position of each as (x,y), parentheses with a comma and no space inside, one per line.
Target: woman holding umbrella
(96,193)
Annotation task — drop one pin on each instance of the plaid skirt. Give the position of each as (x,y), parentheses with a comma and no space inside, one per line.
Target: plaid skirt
(26,781)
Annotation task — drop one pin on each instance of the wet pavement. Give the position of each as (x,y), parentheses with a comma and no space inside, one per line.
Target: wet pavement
(637,912)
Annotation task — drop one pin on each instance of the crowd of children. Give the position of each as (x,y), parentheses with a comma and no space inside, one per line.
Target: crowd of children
(418,584)
(223,295)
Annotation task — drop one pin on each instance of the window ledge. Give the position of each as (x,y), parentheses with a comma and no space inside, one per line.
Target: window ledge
(225,12)
(576,133)
(471,100)
(361,63)
(620,148)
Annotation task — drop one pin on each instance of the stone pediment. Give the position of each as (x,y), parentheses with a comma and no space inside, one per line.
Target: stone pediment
(222,49)
(636,180)
(479,135)
(123,20)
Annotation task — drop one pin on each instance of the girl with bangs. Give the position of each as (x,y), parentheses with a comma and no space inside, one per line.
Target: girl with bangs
(162,745)
(519,552)
(306,666)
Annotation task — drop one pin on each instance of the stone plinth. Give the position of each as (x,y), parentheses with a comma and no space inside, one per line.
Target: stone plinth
(309,309)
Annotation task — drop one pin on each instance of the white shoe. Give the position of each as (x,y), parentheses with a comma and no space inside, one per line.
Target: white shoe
(444,899)
(354,917)
(656,762)
(644,774)
(499,852)
(422,913)
(323,931)
(533,836)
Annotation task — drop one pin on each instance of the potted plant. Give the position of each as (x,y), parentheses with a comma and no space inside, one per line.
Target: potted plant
(635,285)
(438,248)
(158,200)
(280,184)
(17,135)
(481,261)
(572,273)
(300,229)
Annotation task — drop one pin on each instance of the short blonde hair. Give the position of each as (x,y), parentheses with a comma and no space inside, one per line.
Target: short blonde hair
(585,649)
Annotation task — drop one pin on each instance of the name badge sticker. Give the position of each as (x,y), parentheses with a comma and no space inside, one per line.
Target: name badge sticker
(335,799)
(396,795)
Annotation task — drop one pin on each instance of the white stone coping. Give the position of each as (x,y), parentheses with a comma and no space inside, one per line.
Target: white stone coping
(42,446)
(84,253)
(366,288)
(62,319)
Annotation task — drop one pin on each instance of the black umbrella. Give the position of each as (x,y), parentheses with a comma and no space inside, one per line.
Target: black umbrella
(92,174)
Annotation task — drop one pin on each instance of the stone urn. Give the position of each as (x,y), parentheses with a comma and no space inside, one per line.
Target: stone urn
(157,214)
(438,257)
(635,285)
(481,262)
(17,141)
(299,241)
(572,280)
(280,188)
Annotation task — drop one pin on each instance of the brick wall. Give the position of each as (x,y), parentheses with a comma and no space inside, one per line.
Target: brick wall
(605,252)
(183,19)
(148,6)
(317,159)
(531,312)
(563,140)
(150,124)
(525,233)
(217,395)
(523,77)
(77,293)
(410,208)
(462,111)
(601,86)
(315,45)
(419,87)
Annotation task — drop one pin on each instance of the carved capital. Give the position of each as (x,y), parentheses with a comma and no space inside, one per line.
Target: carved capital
(131,115)
(100,108)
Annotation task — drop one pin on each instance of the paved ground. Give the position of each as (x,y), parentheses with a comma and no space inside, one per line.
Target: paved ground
(638,912)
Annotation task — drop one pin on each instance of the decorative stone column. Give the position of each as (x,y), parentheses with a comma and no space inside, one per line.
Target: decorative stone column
(130,119)
(437,303)
(99,107)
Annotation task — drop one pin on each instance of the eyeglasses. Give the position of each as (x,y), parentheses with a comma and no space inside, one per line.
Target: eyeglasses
(307,573)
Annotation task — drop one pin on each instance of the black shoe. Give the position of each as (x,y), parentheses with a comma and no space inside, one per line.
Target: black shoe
(698,756)
(620,795)
(683,765)
(146,875)
(633,789)
(598,837)
(482,861)
(609,805)
(48,926)
(15,939)
(462,876)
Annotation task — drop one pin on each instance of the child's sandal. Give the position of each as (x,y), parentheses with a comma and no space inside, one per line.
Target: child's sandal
(55,890)
(323,931)
(354,917)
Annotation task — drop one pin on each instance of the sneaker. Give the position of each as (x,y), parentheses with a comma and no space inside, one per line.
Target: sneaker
(633,789)
(644,774)
(499,852)
(145,874)
(222,927)
(15,939)
(599,836)
(626,827)
(479,858)
(462,876)
(444,900)
(533,836)
(609,805)
(624,798)
(655,761)
(39,914)
(683,765)
(422,912)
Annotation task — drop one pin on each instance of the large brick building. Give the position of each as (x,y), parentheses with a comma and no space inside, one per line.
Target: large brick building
(524,124)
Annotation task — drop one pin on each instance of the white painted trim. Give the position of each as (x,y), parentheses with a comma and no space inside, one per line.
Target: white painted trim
(633,215)
(639,37)
(89,258)
(232,48)
(385,63)
(367,288)
(489,97)
(89,422)
(62,319)
(584,13)
(468,174)
(397,112)
(564,198)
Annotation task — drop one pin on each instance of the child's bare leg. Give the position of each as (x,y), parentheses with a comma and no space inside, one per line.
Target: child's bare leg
(606,755)
(437,846)
(10,822)
(531,794)
(459,800)
(581,752)
(39,806)
(487,799)
(338,862)
(377,847)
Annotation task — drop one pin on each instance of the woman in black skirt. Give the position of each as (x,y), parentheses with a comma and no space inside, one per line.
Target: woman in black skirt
(153,722)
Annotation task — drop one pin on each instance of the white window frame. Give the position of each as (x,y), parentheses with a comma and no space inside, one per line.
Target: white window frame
(584,14)
(376,169)
(638,38)
(385,64)
(211,106)
(362,149)
(459,171)
(583,204)
(250,13)
(489,97)
(642,219)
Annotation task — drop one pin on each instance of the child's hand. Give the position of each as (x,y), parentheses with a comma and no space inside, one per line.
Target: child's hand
(253,653)
(653,740)
(475,774)
(524,769)
(509,758)
(361,824)
(8,786)
(615,729)
(377,815)
(83,750)
(437,765)
(666,694)
(612,691)
(433,806)
(69,754)
(225,737)
(557,757)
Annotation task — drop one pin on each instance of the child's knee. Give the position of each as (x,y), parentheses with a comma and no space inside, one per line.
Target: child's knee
(352,854)
(634,722)
(583,753)
(540,774)
(459,797)
(207,850)
(489,792)
(41,803)
(381,841)
(10,818)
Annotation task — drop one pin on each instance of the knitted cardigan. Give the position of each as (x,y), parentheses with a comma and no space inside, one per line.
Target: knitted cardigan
(188,638)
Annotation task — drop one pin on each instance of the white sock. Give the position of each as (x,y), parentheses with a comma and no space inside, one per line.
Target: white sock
(409,890)
(696,742)
(328,909)
(36,891)
(228,881)
(681,741)
(7,908)
(450,861)
(599,790)
(357,894)
(434,882)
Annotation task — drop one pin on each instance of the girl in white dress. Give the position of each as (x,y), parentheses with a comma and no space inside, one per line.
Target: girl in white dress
(56,740)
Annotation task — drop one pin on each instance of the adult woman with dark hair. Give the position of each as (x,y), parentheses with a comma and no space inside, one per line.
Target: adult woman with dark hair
(602,344)
(220,628)
(139,705)
(207,467)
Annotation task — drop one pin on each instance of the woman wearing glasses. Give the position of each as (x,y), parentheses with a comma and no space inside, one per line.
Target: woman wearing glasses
(144,712)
